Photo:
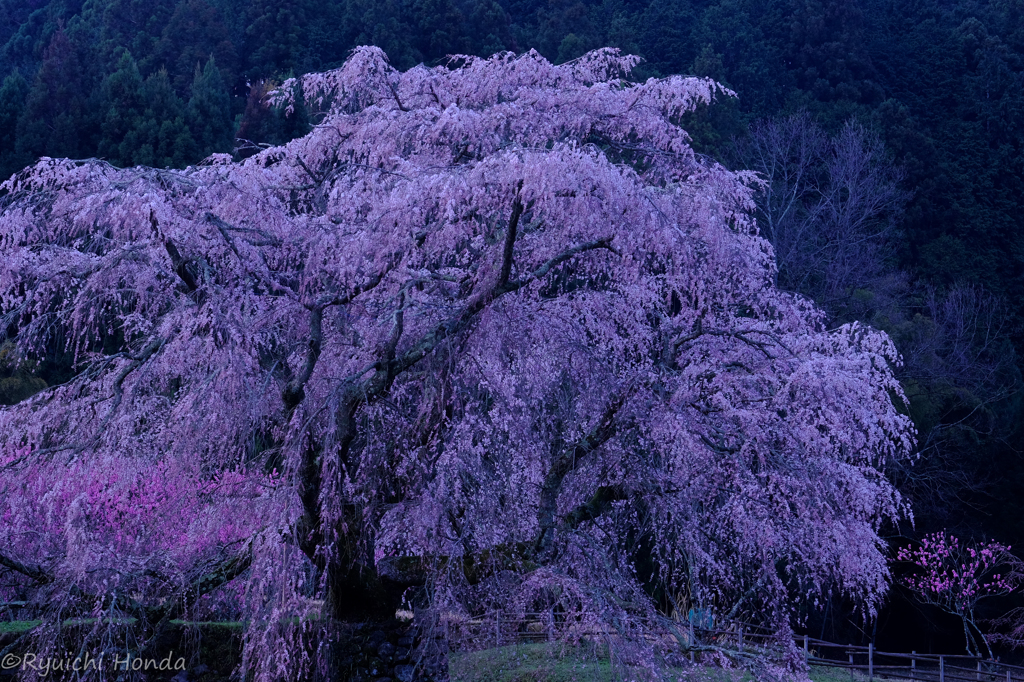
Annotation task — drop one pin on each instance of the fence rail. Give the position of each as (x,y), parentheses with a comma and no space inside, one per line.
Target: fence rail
(908,666)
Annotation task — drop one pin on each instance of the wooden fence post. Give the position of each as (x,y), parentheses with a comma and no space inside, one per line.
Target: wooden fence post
(497,628)
(913,664)
(741,638)
(851,664)
(942,669)
(806,655)
(977,675)
(871,661)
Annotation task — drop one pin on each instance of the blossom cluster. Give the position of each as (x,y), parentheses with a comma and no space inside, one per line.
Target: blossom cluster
(955,574)
(108,522)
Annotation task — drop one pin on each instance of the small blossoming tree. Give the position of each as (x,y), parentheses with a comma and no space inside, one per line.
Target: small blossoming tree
(955,576)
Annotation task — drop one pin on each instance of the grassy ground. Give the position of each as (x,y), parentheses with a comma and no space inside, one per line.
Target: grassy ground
(829,674)
(557,663)
(19,626)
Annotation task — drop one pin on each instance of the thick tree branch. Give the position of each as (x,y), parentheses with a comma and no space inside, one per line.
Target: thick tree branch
(268,280)
(510,240)
(37,573)
(462,320)
(327,301)
(396,330)
(316,177)
(178,263)
(601,433)
(295,391)
(137,360)
(599,504)
(394,93)
(221,574)
(181,266)
(206,582)
(738,334)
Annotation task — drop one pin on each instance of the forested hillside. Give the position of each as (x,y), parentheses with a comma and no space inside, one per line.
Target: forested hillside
(891,134)
(165,82)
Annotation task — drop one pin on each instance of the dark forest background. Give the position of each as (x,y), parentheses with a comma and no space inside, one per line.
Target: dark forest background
(890,132)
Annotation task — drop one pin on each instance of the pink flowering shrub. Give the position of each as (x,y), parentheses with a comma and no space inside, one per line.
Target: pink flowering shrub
(91,518)
(955,575)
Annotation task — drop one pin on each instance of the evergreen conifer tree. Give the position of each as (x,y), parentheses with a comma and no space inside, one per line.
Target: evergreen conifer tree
(162,137)
(12,103)
(209,111)
(56,120)
(124,101)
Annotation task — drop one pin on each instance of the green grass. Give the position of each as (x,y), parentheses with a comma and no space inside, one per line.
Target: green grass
(558,663)
(530,663)
(227,624)
(17,627)
(824,673)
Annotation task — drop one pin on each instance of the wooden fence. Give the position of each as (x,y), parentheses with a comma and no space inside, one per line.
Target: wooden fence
(908,666)
(498,628)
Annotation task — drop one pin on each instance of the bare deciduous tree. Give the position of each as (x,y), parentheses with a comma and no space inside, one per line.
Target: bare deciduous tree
(830,207)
